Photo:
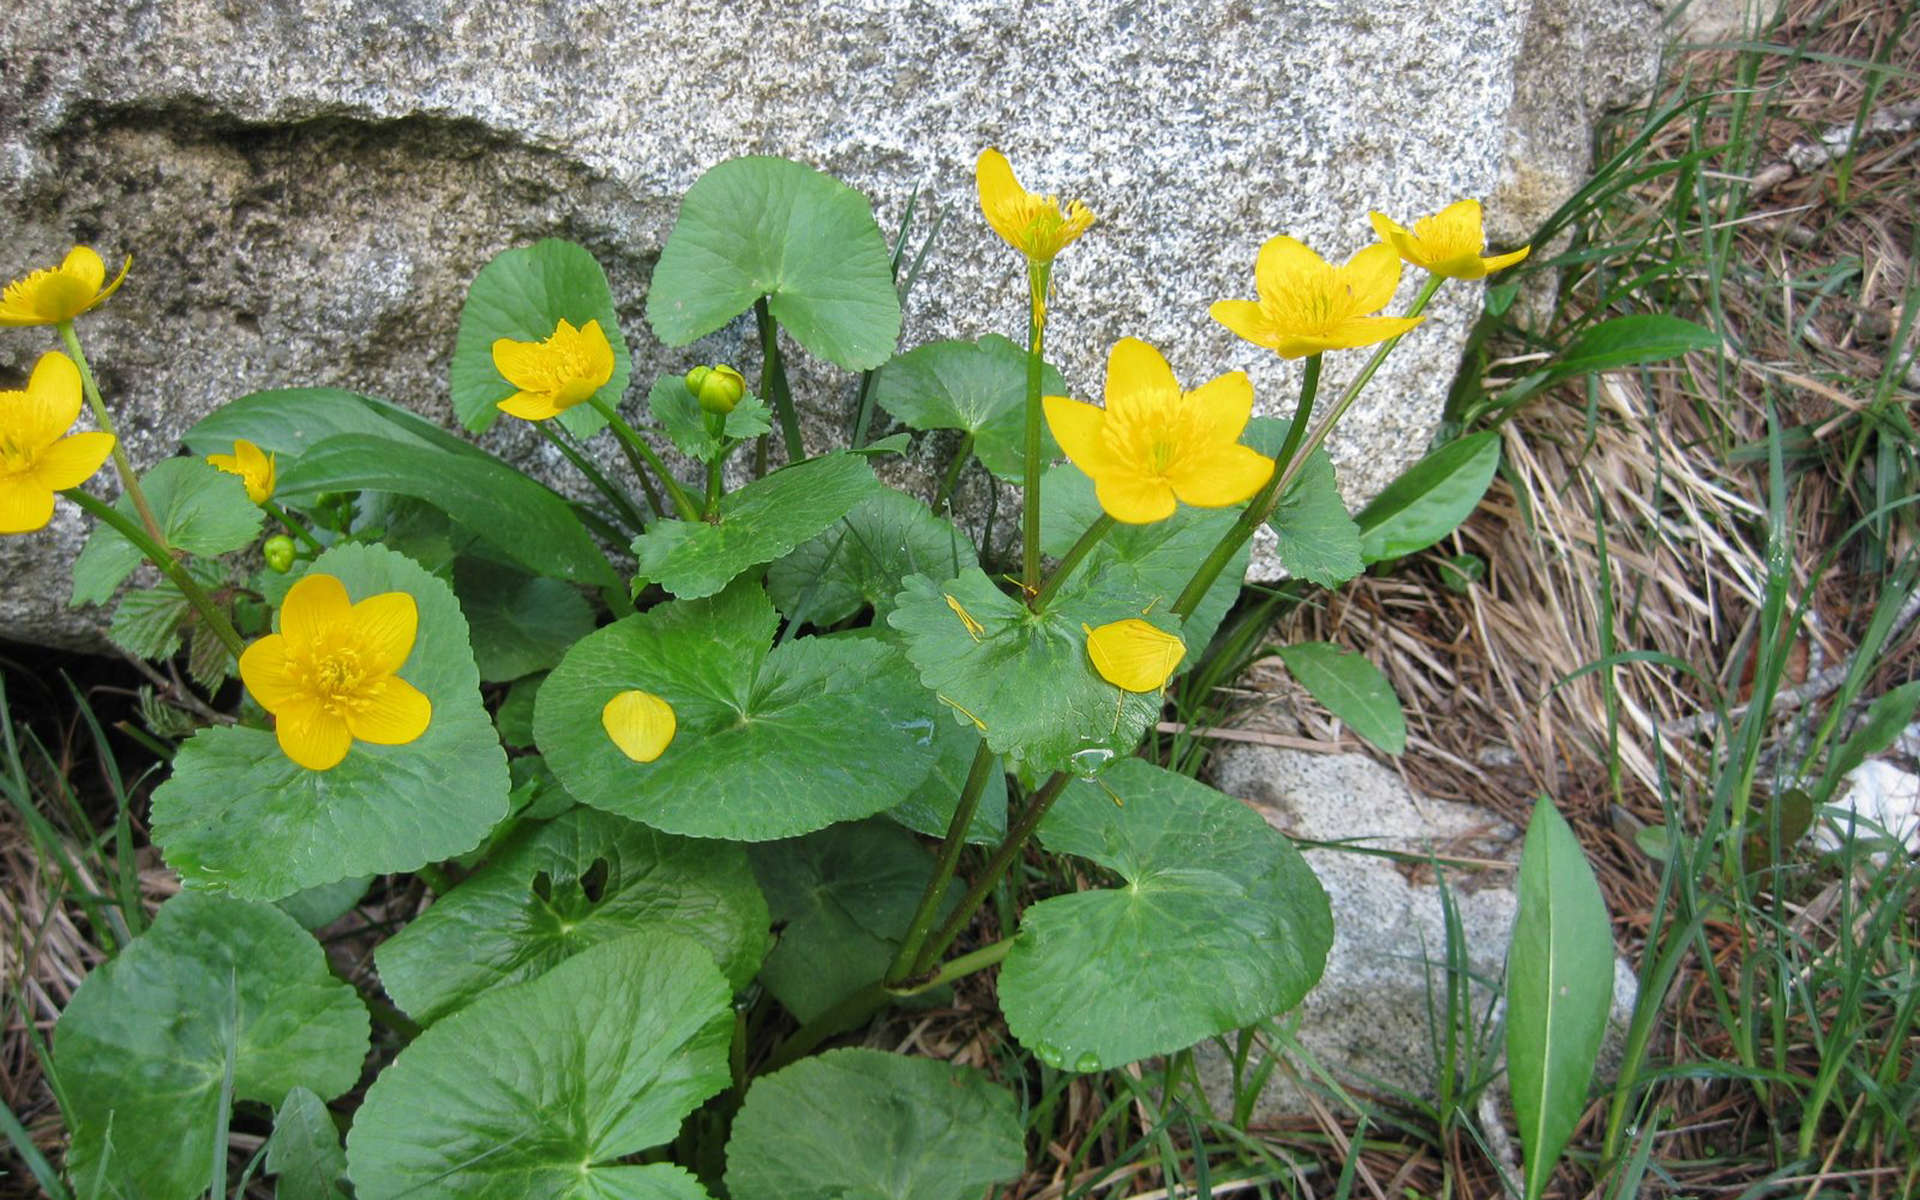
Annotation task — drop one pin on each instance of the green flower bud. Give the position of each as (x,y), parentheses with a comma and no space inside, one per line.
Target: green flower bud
(279,552)
(717,388)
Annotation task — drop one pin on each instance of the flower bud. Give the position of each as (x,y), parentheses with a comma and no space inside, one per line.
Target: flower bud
(279,552)
(717,388)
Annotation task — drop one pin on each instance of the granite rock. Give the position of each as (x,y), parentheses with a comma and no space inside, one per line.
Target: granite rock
(308,186)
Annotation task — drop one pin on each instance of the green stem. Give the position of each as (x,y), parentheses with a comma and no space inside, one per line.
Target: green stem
(1088,540)
(169,566)
(717,426)
(943,865)
(1003,856)
(129,482)
(956,968)
(954,470)
(641,458)
(556,436)
(773,381)
(1260,507)
(1037,276)
(294,527)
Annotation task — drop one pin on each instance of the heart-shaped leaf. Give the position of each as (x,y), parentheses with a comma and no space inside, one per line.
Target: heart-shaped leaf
(202,510)
(519,623)
(860,560)
(979,388)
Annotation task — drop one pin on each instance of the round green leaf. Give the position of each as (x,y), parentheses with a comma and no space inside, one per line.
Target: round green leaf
(239,816)
(861,559)
(979,388)
(873,1125)
(202,510)
(768,745)
(538,1090)
(759,523)
(142,1049)
(519,623)
(580,880)
(1221,924)
(1316,539)
(523,294)
(754,227)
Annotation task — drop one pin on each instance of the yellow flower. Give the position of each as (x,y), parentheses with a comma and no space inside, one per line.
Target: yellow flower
(254,468)
(1134,656)
(1308,306)
(35,459)
(640,723)
(1154,443)
(55,294)
(556,374)
(1447,243)
(328,675)
(1033,225)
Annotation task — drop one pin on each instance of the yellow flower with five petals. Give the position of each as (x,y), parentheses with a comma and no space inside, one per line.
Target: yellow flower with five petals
(53,295)
(1036,226)
(329,676)
(252,465)
(1309,306)
(37,455)
(1154,444)
(1448,243)
(555,374)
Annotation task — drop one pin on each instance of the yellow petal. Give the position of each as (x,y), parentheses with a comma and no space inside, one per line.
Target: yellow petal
(49,406)
(1218,410)
(83,265)
(1227,475)
(265,671)
(1002,199)
(597,355)
(1133,655)
(1134,499)
(640,723)
(1365,331)
(24,505)
(71,461)
(530,406)
(315,605)
(525,365)
(311,736)
(1284,263)
(384,628)
(1245,318)
(1372,275)
(391,712)
(1077,427)
(1133,368)
(1501,262)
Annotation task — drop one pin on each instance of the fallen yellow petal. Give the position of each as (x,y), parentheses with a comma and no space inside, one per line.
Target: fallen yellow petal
(640,723)
(1134,655)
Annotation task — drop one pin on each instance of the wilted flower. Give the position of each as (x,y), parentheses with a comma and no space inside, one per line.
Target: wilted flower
(55,294)
(640,723)
(555,374)
(1308,306)
(253,466)
(1034,225)
(1448,243)
(1154,443)
(37,456)
(1133,655)
(328,677)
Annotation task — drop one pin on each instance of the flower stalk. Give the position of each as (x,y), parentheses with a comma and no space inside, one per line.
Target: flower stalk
(129,482)
(773,381)
(1092,537)
(171,567)
(1038,276)
(989,878)
(641,458)
(944,864)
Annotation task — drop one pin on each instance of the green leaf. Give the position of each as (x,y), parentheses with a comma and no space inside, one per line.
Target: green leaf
(285,421)
(523,294)
(768,745)
(844,896)
(759,523)
(754,227)
(1559,990)
(537,1090)
(514,717)
(1317,540)
(1221,924)
(201,509)
(1886,717)
(523,519)
(1430,499)
(685,421)
(142,1047)
(519,623)
(146,623)
(979,388)
(1150,563)
(1023,678)
(1352,689)
(239,816)
(860,560)
(320,906)
(1627,341)
(304,1150)
(863,1123)
(576,882)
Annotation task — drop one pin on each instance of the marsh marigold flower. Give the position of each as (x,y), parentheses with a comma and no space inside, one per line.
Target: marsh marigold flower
(252,465)
(55,294)
(1036,226)
(1448,243)
(1309,306)
(328,677)
(37,455)
(1133,655)
(555,374)
(640,723)
(1153,443)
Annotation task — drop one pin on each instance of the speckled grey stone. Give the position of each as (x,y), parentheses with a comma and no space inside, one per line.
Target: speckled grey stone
(308,186)
(1368,1020)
